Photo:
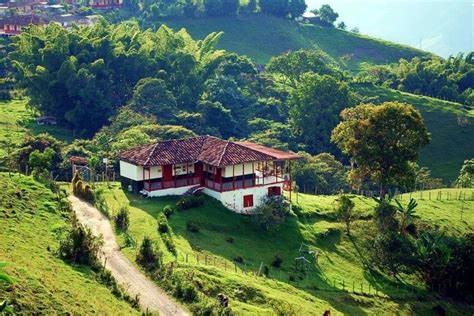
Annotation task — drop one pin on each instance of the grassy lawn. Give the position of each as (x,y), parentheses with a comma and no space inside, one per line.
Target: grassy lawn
(16,121)
(44,284)
(339,262)
(450,126)
(261,37)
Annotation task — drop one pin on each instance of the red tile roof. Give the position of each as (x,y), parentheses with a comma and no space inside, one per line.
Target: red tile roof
(208,149)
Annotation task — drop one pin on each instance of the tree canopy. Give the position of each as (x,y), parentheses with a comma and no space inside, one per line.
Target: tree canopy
(382,141)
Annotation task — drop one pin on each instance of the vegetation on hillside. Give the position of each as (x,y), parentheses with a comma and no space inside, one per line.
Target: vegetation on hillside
(224,237)
(32,226)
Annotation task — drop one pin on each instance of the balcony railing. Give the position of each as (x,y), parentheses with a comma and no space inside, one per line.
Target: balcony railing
(178,183)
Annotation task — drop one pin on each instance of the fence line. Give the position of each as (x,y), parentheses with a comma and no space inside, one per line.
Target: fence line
(298,278)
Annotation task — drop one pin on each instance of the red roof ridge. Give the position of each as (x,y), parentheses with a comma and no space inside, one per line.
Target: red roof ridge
(223,152)
(152,152)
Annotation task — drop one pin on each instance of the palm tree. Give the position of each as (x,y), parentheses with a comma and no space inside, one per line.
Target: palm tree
(407,214)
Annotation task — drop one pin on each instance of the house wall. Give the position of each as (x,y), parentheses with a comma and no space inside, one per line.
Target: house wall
(155,172)
(234,200)
(130,171)
(238,170)
(180,169)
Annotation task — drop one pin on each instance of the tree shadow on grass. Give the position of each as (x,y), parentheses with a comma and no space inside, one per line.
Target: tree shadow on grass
(256,246)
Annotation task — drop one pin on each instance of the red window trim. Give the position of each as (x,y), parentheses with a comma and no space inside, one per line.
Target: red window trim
(248,200)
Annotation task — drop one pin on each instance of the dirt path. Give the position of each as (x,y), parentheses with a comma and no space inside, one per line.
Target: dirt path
(151,296)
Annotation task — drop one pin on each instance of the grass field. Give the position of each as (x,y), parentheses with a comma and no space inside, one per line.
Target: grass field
(450,126)
(260,37)
(44,284)
(16,121)
(339,264)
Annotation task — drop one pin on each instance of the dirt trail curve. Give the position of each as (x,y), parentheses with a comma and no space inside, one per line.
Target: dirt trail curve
(151,296)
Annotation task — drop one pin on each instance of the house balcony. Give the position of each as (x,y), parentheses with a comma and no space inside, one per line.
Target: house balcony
(155,185)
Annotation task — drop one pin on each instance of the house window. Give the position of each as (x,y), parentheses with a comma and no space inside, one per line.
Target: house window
(248,200)
(273,191)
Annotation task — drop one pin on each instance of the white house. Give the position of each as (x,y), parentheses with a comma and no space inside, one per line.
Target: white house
(239,174)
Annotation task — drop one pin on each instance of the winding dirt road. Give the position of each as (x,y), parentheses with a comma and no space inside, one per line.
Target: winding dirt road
(152,298)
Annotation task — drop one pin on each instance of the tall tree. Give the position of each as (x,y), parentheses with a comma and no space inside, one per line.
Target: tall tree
(383,142)
(326,14)
(314,108)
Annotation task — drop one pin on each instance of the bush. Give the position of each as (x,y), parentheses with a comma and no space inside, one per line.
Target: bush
(277,261)
(163,226)
(265,271)
(149,255)
(168,210)
(168,241)
(272,212)
(192,227)
(80,245)
(230,240)
(189,202)
(122,219)
(239,259)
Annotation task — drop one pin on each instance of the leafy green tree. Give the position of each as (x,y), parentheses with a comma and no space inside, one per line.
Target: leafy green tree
(151,96)
(314,108)
(383,142)
(292,65)
(41,161)
(341,25)
(296,8)
(272,212)
(275,7)
(320,174)
(326,15)
(466,174)
(221,7)
(40,143)
(345,211)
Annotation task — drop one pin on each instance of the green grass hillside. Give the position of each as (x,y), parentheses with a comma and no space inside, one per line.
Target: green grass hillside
(260,37)
(43,283)
(16,121)
(451,129)
(340,265)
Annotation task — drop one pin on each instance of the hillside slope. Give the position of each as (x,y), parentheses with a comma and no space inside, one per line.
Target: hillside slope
(451,129)
(44,284)
(260,37)
(223,236)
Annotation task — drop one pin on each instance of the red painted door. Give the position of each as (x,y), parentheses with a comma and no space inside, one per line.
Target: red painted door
(167,172)
(219,175)
(272,191)
(198,172)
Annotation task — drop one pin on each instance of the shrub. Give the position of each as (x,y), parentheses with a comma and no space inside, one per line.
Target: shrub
(188,202)
(149,255)
(186,291)
(168,241)
(272,212)
(239,259)
(163,226)
(168,210)
(265,271)
(122,219)
(277,261)
(80,245)
(192,227)
(230,240)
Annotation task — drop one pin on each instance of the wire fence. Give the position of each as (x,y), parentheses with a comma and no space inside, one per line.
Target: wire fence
(310,279)
(432,195)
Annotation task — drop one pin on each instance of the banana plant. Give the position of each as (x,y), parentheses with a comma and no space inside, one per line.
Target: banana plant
(407,214)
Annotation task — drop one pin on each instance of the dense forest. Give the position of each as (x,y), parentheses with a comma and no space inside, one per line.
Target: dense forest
(94,80)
